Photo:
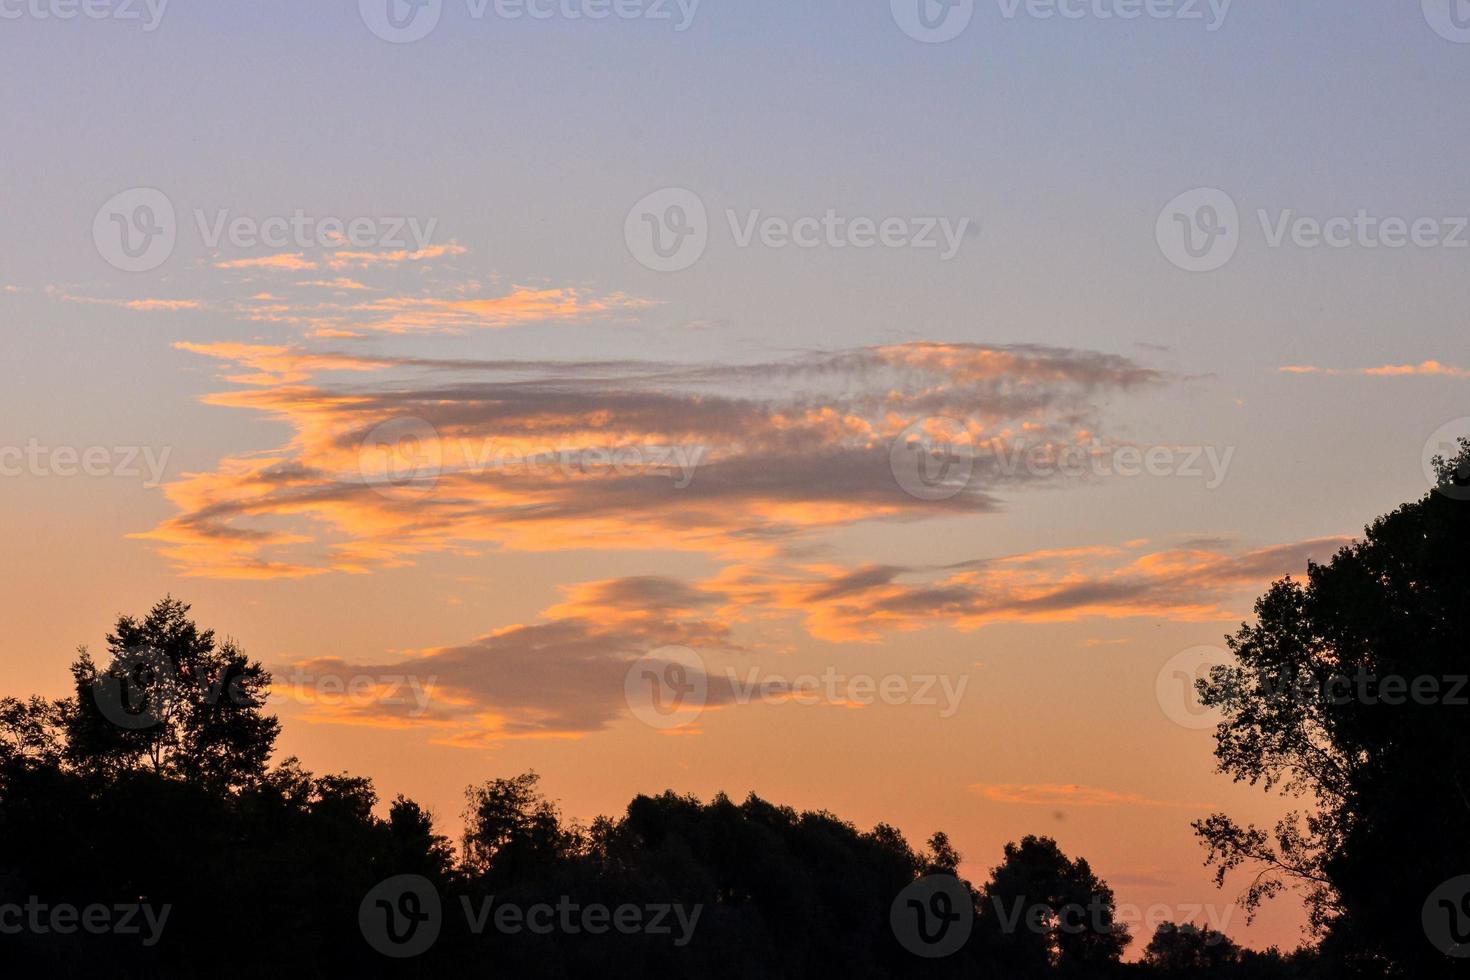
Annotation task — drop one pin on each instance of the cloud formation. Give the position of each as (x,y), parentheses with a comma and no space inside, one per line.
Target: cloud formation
(864,604)
(727,460)
(1422,369)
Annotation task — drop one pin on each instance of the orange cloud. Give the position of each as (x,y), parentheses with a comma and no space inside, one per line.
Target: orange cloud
(291,261)
(347,259)
(339,283)
(1422,369)
(163,304)
(410,314)
(728,460)
(564,678)
(860,605)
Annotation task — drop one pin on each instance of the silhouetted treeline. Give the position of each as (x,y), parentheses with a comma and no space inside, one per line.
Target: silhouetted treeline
(144,832)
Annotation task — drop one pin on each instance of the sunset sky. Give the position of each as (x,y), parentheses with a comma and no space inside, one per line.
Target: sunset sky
(339,420)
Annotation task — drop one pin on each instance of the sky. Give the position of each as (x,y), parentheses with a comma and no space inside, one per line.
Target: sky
(921,392)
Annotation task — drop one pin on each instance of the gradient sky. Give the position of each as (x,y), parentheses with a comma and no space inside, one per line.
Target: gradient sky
(529,323)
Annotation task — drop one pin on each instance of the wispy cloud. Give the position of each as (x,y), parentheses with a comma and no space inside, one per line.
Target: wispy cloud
(343,259)
(291,261)
(1422,369)
(770,451)
(1178,584)
(562,678)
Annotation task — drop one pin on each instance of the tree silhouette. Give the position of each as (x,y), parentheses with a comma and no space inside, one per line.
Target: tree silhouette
(511,830)
(1047,911)
(1190,951)
(173,700)
(1350,691)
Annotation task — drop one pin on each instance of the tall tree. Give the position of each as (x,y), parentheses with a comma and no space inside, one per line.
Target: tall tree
(1350,693)
(1188,951)
(172,700)
(1044,910)
(511,828)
